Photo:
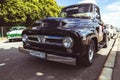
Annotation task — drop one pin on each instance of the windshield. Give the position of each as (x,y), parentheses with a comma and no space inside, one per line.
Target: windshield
(18,28)
(79,11)
(22,28)
(37,24)
(14,28)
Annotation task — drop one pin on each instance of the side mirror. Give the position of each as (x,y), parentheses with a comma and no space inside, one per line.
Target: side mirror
(98,16)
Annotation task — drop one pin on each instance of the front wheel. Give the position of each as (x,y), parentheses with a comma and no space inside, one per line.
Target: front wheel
(88,59)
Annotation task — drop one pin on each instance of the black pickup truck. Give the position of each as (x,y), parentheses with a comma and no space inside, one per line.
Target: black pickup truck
(77,34)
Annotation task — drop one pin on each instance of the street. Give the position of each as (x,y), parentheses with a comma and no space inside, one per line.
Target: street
(15,65)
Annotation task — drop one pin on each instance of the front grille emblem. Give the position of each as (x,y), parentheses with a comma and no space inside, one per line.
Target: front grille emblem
(41,39)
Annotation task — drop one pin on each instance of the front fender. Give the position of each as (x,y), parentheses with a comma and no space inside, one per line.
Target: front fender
(85,38)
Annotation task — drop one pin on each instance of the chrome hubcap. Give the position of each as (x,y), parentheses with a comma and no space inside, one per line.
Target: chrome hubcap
(91,53)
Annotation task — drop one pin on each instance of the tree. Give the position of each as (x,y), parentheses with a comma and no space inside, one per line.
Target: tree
(12,12)
(40,9)
(2,2)
(51,9)
(16,12)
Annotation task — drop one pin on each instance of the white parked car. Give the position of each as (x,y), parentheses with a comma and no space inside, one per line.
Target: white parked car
(114,31)
(109,28)
(15,33)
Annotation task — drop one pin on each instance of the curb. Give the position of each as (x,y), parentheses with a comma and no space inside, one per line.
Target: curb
(106,73)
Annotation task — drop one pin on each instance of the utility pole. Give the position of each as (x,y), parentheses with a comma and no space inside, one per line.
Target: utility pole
(2,35)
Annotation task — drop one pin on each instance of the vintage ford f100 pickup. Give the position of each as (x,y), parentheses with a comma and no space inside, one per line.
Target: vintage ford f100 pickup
(78,34)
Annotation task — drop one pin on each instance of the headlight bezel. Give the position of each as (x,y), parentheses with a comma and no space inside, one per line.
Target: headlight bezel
(68,42)
(24,37)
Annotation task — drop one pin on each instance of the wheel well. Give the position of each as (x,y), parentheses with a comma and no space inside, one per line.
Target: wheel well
(96,43)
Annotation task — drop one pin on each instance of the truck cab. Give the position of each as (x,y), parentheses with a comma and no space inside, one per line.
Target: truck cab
(85,12)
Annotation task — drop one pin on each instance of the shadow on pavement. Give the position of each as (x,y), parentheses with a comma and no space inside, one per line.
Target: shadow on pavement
(12,41)
(19,66)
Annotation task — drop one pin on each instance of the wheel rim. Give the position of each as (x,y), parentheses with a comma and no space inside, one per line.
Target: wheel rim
(91,53)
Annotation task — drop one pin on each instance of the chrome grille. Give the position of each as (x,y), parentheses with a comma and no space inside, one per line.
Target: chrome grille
(54,40)
(45,39)
(33,38)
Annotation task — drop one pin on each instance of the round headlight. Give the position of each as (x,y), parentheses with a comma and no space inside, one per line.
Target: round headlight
(68,42)
(24,38)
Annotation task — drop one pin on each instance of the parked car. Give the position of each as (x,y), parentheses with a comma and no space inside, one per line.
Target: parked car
(15,33)
(77,34)
(109,28)
(114,31)
(117,29)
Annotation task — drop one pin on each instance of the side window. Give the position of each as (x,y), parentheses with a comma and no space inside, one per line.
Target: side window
(97,13)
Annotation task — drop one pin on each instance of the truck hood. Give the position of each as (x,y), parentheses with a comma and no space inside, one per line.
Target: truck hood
(67,23)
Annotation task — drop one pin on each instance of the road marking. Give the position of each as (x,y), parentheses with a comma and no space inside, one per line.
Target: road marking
(2,64)
(39,74)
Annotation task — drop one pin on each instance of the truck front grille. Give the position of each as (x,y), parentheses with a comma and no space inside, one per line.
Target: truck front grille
(54,40)
(45,39)
(33,39)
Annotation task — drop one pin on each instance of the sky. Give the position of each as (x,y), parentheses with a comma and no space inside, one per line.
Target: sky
(110,9)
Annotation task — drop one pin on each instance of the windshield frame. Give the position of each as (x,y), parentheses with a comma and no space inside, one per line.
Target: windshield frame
(78,11)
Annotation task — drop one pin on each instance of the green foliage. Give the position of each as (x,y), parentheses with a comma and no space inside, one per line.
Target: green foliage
(50,8)
(27,11)
(12,11)
(61,7)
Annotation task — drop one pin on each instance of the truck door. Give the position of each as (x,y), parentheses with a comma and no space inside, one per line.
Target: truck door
(98,20)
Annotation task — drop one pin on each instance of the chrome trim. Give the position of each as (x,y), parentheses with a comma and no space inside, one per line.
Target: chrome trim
(32,36)
(43,39)
(52,37)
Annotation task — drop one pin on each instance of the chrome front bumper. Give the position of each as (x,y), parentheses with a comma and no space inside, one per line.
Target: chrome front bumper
(51,57)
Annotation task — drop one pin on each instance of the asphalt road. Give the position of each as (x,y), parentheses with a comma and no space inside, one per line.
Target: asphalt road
(15,65)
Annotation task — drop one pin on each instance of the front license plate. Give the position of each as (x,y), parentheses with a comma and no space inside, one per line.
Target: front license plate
(38,54)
